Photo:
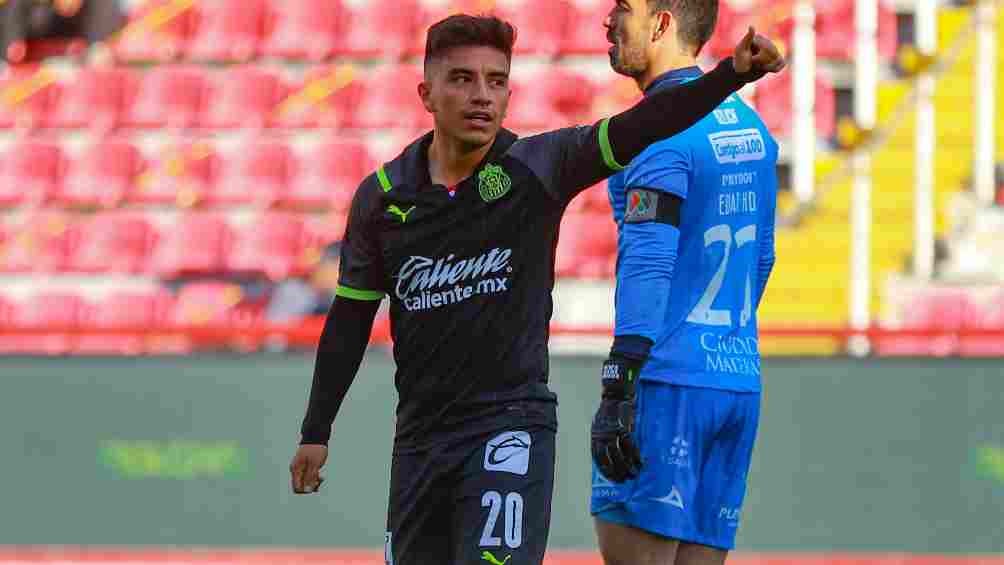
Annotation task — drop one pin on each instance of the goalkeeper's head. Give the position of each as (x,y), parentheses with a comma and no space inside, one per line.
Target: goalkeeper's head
(655,34)
(466,80)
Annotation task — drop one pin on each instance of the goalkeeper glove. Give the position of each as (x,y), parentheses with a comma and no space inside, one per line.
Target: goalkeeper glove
(614,450)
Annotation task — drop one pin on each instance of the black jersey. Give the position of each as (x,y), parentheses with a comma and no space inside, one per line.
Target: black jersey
(469,273)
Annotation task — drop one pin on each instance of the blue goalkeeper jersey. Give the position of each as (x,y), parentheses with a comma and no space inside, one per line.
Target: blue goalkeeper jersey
(693,288)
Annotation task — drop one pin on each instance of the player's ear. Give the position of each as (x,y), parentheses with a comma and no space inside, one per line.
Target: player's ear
(425,93)
(662,25)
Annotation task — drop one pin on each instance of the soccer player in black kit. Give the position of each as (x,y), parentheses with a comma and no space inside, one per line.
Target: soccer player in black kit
(460,232)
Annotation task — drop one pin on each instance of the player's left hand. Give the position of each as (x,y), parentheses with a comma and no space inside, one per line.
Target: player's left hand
(614,449)
(758,54)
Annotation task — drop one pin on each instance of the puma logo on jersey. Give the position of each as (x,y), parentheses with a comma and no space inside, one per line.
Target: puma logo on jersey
(393,209)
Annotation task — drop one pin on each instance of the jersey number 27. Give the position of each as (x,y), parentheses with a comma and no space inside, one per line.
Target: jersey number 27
(704,313)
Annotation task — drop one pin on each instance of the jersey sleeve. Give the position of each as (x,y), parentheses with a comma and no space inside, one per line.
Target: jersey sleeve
(666,166)
(361,275)
(567,160)
(767,258)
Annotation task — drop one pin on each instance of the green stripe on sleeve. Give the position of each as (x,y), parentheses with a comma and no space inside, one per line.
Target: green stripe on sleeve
(606,149)
(384,181)
(356,294)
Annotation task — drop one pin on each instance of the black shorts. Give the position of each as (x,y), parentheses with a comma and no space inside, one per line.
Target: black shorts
(473,501)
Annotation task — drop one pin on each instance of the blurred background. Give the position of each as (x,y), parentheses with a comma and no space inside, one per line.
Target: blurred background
(174,182)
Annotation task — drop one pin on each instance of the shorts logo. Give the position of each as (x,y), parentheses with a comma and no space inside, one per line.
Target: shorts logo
(493,183)
(730,515)
(508,452)
(673,498)
(738,146)
(641,205)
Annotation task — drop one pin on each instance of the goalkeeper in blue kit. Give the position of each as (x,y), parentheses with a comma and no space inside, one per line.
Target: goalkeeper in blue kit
(673,436)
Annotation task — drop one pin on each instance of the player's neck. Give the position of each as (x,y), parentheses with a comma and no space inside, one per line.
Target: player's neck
(663,65)
(450,161)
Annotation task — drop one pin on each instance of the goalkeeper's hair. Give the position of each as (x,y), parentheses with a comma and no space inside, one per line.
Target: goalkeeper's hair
(695,19)
(463,30)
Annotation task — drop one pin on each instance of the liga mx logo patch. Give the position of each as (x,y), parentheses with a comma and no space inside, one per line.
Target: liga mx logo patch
(493,183)
(508,452)
(642,205)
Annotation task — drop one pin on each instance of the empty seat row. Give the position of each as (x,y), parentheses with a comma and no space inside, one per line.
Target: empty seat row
(254,96)
(238,30)
(949,310)
(261,172)
(273,245)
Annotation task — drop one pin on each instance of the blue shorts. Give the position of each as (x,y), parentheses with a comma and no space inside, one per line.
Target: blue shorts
(696,445)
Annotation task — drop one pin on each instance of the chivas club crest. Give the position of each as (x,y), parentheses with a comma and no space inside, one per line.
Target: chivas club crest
(493,183)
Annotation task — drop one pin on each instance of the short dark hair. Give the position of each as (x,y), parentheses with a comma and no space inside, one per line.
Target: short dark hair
(696,19)
(463,30)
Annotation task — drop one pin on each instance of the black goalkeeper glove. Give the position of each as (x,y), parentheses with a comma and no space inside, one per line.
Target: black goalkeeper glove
(614,449)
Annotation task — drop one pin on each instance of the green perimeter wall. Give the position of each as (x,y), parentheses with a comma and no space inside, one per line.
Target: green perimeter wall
(884,455)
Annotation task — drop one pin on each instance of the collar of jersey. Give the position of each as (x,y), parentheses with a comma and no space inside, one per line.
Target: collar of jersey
(673,78)
(416,157)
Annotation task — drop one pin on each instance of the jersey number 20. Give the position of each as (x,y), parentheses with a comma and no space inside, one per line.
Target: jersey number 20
(704,313)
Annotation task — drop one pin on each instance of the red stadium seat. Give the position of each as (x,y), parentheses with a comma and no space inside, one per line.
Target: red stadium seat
(593,199)
(56,311)
(835,34)
(227,30)
(329,175)
(773,103)
(31,173)
(96,98)
(587,247)
(38,244)
(102,175)
(245,96)
(168,96)
(256,173)
(539,26)
(378,29)
(734,18)
(217,304)
(984,315)
(112,242)
(182,176)
(134,312)
(549,99)
(303,29)
(584,31)
(157,32)
(28,95)
(269,245)
(327,97)
(196,244)
(398,107)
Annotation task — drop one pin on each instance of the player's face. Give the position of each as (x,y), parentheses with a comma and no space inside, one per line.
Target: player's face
(467,92)
(628,28)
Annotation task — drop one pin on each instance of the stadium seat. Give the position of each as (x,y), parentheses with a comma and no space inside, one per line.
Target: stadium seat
(584,31)
(377,29)
(269,245)
(111,242)
(593,199)
(50,315)
(226,30)
(318,232)
(773,100)
(256,173)
(245,96)
(182,176)
(549,100)
(170,95)
(96,98)
(102,175)
(133,312)
(31,173)
(398,107)
(38,244)
(217,305)
(587,246)
(328,175)
(157,32)
(196,244)
(539,26)
(735,17)
(326,97)
(303,29)
(835,36)
(28,95)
